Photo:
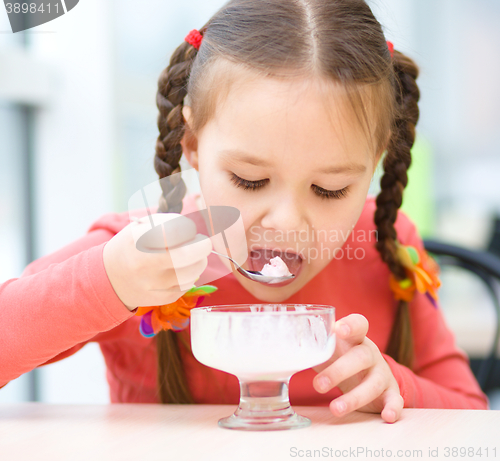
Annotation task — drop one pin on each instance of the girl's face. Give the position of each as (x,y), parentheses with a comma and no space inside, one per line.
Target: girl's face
(293,158)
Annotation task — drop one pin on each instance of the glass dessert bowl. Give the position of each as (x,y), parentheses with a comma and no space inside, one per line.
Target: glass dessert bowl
(263,345)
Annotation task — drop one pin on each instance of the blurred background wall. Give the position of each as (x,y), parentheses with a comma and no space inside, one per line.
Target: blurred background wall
(78,128)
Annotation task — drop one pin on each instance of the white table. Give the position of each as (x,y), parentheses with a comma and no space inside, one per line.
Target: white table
(37,432)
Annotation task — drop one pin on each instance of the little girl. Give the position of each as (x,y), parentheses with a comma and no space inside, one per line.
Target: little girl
(285,109)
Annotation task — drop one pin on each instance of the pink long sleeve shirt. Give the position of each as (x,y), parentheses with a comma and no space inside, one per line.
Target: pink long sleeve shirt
(64,300)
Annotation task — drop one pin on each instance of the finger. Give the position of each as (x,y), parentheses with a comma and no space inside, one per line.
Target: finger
(196,250)
(354,361)
(352,328)
(364,393)
(162,297)
(161,231)
(186,276)
(181,279)
(393,405)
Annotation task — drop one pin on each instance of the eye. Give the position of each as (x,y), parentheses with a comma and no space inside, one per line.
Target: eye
(252,185)
(320,192)
(330,194)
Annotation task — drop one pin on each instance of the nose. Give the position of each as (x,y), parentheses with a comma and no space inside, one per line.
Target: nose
(285,213)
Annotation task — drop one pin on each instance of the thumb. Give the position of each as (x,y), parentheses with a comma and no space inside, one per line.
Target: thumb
(352,329)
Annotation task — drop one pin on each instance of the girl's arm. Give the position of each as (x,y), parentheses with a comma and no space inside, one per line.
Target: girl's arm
(372,381)
(60,302)
(67,298)
(441,376)
(459,391)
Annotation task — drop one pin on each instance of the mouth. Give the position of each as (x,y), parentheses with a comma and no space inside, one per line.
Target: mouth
(259,257)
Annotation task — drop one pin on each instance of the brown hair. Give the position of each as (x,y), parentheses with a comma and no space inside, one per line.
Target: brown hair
(339,41)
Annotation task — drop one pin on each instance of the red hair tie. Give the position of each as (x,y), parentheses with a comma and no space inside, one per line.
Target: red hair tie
(390,45)
(194,38)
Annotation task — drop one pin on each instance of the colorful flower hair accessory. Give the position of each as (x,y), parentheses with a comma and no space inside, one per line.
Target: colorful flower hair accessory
(421,274)
(174,316)
(194,38)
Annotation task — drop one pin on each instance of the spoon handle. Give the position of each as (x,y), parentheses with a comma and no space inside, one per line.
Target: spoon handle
(225,256)
(236,265)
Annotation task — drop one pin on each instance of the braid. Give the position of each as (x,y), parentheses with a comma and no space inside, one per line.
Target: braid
(169,99)
(390,198)
(172,84)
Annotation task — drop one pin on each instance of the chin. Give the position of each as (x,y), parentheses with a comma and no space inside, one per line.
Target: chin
(275,297)
(268,293)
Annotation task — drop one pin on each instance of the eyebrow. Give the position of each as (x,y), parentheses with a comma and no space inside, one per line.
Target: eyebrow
(244,157)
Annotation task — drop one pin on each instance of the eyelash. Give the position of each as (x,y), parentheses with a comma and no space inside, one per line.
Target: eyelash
(320,192)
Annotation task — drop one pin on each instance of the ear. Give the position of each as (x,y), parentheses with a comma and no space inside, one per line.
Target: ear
(189,142)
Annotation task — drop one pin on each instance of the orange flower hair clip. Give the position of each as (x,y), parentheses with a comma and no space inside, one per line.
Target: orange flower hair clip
(174,316)
(421,274)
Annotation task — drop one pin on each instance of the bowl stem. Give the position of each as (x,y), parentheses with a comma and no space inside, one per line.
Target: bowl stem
(264,406)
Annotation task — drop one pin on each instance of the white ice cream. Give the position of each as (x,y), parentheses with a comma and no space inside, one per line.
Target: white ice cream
(262,345)
(275,268)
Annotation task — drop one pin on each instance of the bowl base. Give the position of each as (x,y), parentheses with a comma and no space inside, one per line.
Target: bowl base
(266,423)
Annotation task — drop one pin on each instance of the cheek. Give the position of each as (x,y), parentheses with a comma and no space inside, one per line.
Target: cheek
(333,229)
(217,189)
(220,192)
(214,190)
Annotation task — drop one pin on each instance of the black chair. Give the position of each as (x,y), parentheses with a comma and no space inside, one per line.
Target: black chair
(486,266)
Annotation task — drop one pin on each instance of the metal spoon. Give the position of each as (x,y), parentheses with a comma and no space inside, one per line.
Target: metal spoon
(256,276)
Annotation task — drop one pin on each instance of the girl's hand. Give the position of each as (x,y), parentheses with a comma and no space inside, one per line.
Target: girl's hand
(360,372)
(145,279)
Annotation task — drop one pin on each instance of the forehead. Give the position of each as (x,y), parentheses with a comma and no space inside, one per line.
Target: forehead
(290,119)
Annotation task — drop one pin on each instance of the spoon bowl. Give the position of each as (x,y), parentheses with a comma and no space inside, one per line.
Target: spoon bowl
(256,276)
